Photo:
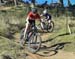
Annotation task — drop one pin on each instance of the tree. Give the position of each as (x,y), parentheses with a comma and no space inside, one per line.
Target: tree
(32,3)
(61,2)
(69,3)
(2,1)
(15,2)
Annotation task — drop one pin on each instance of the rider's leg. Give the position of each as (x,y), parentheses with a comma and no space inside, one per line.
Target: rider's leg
(42,23)
(23,40)
(26,29)
(49,23)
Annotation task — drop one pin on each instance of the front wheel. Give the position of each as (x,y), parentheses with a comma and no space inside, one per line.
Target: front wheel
(34,42)
(22,39)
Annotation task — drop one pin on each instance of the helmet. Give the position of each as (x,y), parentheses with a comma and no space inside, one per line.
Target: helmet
(45,11)
(34,10)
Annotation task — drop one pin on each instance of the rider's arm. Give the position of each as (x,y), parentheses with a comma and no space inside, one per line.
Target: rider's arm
(30,16)
(38,17)
(27,18)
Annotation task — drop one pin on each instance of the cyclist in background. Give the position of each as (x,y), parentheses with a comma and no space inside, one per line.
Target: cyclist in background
(47,17)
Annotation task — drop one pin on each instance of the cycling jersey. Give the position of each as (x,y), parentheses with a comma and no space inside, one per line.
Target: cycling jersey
(33,16)
(48,16)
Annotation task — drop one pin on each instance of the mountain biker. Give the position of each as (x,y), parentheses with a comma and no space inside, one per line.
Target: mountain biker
(46,15)
(32,16)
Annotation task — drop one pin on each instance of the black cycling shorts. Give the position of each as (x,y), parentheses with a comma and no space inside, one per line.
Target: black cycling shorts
(32,22)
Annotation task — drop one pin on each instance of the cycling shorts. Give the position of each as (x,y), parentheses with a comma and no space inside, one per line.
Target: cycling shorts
(32,22)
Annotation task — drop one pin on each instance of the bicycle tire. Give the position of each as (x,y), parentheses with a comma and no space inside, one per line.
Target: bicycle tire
(32,50)
(22,39)
(51,27)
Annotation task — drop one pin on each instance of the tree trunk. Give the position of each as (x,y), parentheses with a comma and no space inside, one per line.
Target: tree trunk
(32,3)
(15,2)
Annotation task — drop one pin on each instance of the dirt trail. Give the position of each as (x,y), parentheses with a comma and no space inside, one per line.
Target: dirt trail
(48,55)
(59,55)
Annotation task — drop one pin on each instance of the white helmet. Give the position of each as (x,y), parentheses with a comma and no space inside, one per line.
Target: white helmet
(45,11)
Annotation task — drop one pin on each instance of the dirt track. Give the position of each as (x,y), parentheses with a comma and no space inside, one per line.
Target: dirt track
(59,55)
(46,54)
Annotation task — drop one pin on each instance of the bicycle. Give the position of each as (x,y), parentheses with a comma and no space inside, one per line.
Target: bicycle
(33,38)
(49,27)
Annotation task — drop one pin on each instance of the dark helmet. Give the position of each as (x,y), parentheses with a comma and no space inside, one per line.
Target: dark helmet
(34,10)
